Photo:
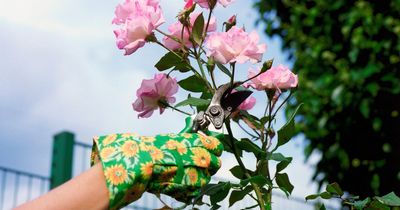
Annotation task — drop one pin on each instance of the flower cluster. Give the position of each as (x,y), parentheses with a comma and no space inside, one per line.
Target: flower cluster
(140,19)
(176,32)
(235,45)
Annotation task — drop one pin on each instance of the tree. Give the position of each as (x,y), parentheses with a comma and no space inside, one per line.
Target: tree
(347,56)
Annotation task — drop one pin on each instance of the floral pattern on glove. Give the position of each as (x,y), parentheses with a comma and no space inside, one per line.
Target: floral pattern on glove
(177,165)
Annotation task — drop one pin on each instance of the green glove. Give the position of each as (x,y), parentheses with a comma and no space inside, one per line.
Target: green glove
(177,165)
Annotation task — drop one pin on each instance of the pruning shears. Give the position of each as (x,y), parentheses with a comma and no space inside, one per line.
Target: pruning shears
(222,104)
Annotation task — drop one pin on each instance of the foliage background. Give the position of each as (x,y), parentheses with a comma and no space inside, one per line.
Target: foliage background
(347,56)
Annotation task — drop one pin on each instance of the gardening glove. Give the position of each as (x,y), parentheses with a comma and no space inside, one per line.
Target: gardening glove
(177,165)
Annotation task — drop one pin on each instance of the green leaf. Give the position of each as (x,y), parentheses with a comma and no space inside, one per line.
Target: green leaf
(168,61)
(325,195)
(237,195)
(359,205)
(253,120)
(277,157)
(288,130)
(221,194)
(198,28)
(215,207)
(193,84)
(312,197)
(322,207)
(237,172)
(259,180)
(376,205)
(264,120)
(226,141)
(249,146)
(193,102)
(283,164)
(211,189)
(390,199)
(284,183)
(224,69)
(334,188)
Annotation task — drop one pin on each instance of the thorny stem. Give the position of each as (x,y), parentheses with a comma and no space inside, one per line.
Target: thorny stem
(255,187)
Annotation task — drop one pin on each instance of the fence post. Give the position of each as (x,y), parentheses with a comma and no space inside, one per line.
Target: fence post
(61,163)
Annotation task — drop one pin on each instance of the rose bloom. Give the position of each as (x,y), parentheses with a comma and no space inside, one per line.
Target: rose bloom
(204,3)
(248,103)
(139,18)
(277,78)
(235,45)
(176,31)
(152,91)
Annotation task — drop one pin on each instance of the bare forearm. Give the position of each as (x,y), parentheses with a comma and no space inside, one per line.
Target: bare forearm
(86,191)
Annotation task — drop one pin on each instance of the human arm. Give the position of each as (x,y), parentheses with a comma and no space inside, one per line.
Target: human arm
(87,191)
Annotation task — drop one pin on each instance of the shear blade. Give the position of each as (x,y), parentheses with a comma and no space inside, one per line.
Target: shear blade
(231,102)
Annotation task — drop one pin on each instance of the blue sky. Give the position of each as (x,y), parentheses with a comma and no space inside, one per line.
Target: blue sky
(60,70)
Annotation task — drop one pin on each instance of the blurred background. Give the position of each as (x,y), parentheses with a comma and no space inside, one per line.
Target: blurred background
(60,70)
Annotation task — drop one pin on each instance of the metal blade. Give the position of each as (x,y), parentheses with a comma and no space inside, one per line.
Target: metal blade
(231,102)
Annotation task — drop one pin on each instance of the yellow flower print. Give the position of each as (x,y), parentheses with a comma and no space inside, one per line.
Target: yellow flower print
(144,147)
(201,157)
(203,182)
(172,135)
(130,135)
(187,135)
(192,175)
(135,192)
(168,174)
(180,147)
(130,148)
(146,170)
(155,153)
(171,144)
(116,174)
(106,152)
(109,139)
(209,142)
(148,139)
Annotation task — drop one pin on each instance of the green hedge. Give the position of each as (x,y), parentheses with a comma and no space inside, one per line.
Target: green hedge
(347,55)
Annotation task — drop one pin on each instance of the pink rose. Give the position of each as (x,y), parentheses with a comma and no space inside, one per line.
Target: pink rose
(248,103)
(154,91)
(204,3)
(277,78)
(139,18)
(235,45)
(176,31)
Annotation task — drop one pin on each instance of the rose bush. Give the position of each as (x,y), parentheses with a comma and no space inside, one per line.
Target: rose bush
(195,50)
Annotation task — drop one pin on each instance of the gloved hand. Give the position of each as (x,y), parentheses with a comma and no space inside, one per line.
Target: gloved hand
(177,165)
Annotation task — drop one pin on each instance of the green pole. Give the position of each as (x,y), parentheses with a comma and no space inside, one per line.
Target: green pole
(61,164)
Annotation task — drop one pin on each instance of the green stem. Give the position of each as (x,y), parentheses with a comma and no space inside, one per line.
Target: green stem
(165,104)
(233,73)
(255,186)
(284,101)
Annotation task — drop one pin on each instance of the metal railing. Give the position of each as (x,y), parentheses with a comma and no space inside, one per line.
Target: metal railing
(17,187)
